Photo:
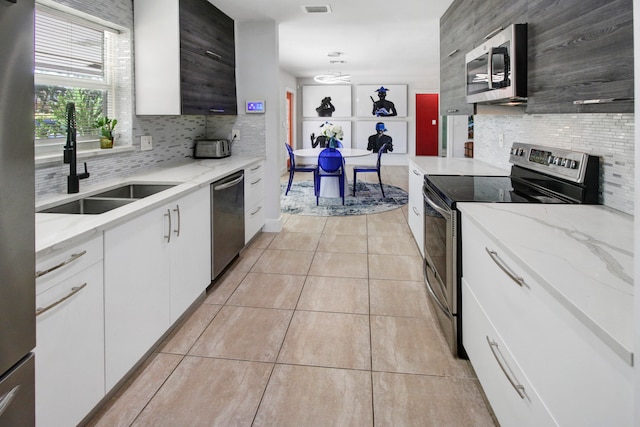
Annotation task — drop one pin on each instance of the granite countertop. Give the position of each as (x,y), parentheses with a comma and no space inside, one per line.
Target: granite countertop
(60,231)
(581,254)
(456,166)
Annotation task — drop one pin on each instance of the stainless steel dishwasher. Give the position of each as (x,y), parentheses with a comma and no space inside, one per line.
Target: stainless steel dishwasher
(227,221)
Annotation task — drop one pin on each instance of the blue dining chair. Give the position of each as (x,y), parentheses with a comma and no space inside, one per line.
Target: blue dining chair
(302,168)
(357,169)
(330,165)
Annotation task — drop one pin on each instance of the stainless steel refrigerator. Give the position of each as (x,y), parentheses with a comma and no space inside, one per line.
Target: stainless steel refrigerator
(17,217)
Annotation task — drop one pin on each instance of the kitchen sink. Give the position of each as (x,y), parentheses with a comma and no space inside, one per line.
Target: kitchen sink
(88,206)
(134,191)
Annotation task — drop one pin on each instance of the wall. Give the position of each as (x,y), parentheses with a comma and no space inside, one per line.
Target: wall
(609,136)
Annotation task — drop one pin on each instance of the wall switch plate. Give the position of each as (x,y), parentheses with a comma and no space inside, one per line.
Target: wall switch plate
(146,143)
(235,135)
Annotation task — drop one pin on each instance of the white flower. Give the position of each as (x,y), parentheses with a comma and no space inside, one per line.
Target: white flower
(332,131)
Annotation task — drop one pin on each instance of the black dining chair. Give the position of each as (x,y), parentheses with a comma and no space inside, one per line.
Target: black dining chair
(330,165)
(357,169)
(302,168)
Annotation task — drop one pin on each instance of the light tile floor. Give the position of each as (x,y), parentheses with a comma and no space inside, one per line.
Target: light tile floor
(326,323)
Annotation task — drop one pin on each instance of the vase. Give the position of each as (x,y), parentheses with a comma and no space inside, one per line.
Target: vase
(106,142)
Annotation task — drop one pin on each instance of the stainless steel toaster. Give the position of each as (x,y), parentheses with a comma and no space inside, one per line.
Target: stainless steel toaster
(211,148)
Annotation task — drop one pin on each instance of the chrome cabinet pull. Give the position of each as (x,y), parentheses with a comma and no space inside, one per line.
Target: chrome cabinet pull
(452,110)
(73,291)
(177,211)
(415,211)
(496,258)
(168,235)
(214,54)
(415,172)
(216,110)
(5,400)
(256,211)
(493,33)
(256,168)
(256,181)
(72,258)
(494,349)
(453,52)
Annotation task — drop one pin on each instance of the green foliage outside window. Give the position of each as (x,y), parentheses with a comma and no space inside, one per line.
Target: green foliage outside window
(50,110)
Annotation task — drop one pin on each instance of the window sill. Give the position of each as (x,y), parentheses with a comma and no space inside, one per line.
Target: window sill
(44,159)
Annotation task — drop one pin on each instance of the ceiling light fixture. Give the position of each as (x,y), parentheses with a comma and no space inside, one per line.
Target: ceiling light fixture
(317,9)
(333,77)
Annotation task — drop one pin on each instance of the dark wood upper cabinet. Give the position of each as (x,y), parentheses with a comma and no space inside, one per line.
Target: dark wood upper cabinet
(184,58)
(580,52)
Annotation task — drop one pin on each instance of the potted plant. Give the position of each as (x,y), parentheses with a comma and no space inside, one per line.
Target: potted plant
(106,126)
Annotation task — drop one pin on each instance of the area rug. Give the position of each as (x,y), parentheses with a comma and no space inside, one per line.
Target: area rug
(368,200)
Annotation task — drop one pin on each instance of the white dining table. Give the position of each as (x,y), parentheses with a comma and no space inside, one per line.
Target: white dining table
(307,153)
(330,188)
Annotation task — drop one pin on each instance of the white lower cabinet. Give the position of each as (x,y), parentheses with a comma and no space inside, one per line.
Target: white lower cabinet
(570,376)
(254,216)
(190,255)
(415,216)
(69,335)
(156,265)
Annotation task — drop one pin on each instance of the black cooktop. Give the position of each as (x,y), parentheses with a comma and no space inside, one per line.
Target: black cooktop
(489,189)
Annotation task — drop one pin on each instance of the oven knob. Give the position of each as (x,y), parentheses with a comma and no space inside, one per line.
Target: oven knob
(551,159)
(565,162)
(574,164)
(557,161)
(520,151)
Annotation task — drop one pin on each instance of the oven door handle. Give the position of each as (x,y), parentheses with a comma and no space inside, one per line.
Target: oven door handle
(445,213)
(439,303)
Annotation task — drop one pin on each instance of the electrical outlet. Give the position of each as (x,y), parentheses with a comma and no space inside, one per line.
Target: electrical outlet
(146,143)
(235,135)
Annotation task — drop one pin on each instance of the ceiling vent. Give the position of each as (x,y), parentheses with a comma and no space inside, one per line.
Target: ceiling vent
(317,9)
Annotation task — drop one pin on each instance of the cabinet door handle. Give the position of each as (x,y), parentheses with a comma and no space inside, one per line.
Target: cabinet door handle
(216,110)
(494,349)
(453,52)
(256,168)
(415,172)
(415,211)
(256,181)
(5,400)
(493,33)
(71,293)
(177,211)
(168,235)
(213,54)
(496,258)
(256,211)
(452,110)
(69,260)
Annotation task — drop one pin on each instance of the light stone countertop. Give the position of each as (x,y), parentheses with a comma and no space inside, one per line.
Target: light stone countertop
(60,231)
(433,165)
(581,254)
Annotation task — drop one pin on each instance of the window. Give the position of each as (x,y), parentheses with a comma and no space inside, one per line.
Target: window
(73,63)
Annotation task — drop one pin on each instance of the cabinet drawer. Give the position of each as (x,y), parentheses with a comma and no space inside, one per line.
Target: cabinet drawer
(546,339)
(254,220)
(70,349)
(512,397)
(53,268)
(254,187)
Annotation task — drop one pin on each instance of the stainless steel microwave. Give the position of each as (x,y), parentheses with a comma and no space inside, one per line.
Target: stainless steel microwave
(497,69)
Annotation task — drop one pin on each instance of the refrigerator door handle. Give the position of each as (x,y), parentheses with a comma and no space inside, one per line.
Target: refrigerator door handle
(5,400)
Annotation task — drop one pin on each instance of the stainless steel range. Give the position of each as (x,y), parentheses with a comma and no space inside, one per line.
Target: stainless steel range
(538,175)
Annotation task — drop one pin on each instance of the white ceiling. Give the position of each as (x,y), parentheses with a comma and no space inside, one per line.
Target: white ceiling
(382,40)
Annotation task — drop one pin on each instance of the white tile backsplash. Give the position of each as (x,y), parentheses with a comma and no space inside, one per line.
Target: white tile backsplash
(609,136)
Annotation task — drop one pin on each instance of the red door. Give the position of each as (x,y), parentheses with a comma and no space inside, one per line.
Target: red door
(427,124)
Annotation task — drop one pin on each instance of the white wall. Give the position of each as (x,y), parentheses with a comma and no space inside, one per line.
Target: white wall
(257,77)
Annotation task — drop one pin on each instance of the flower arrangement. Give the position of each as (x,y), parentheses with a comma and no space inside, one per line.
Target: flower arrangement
(332,132)
(106,126)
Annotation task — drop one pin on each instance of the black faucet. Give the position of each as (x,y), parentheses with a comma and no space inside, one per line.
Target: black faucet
(70,152)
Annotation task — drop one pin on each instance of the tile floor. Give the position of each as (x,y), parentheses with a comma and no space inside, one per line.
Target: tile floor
(323,324)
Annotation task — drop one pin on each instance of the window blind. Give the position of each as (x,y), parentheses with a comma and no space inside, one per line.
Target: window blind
(68,49)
